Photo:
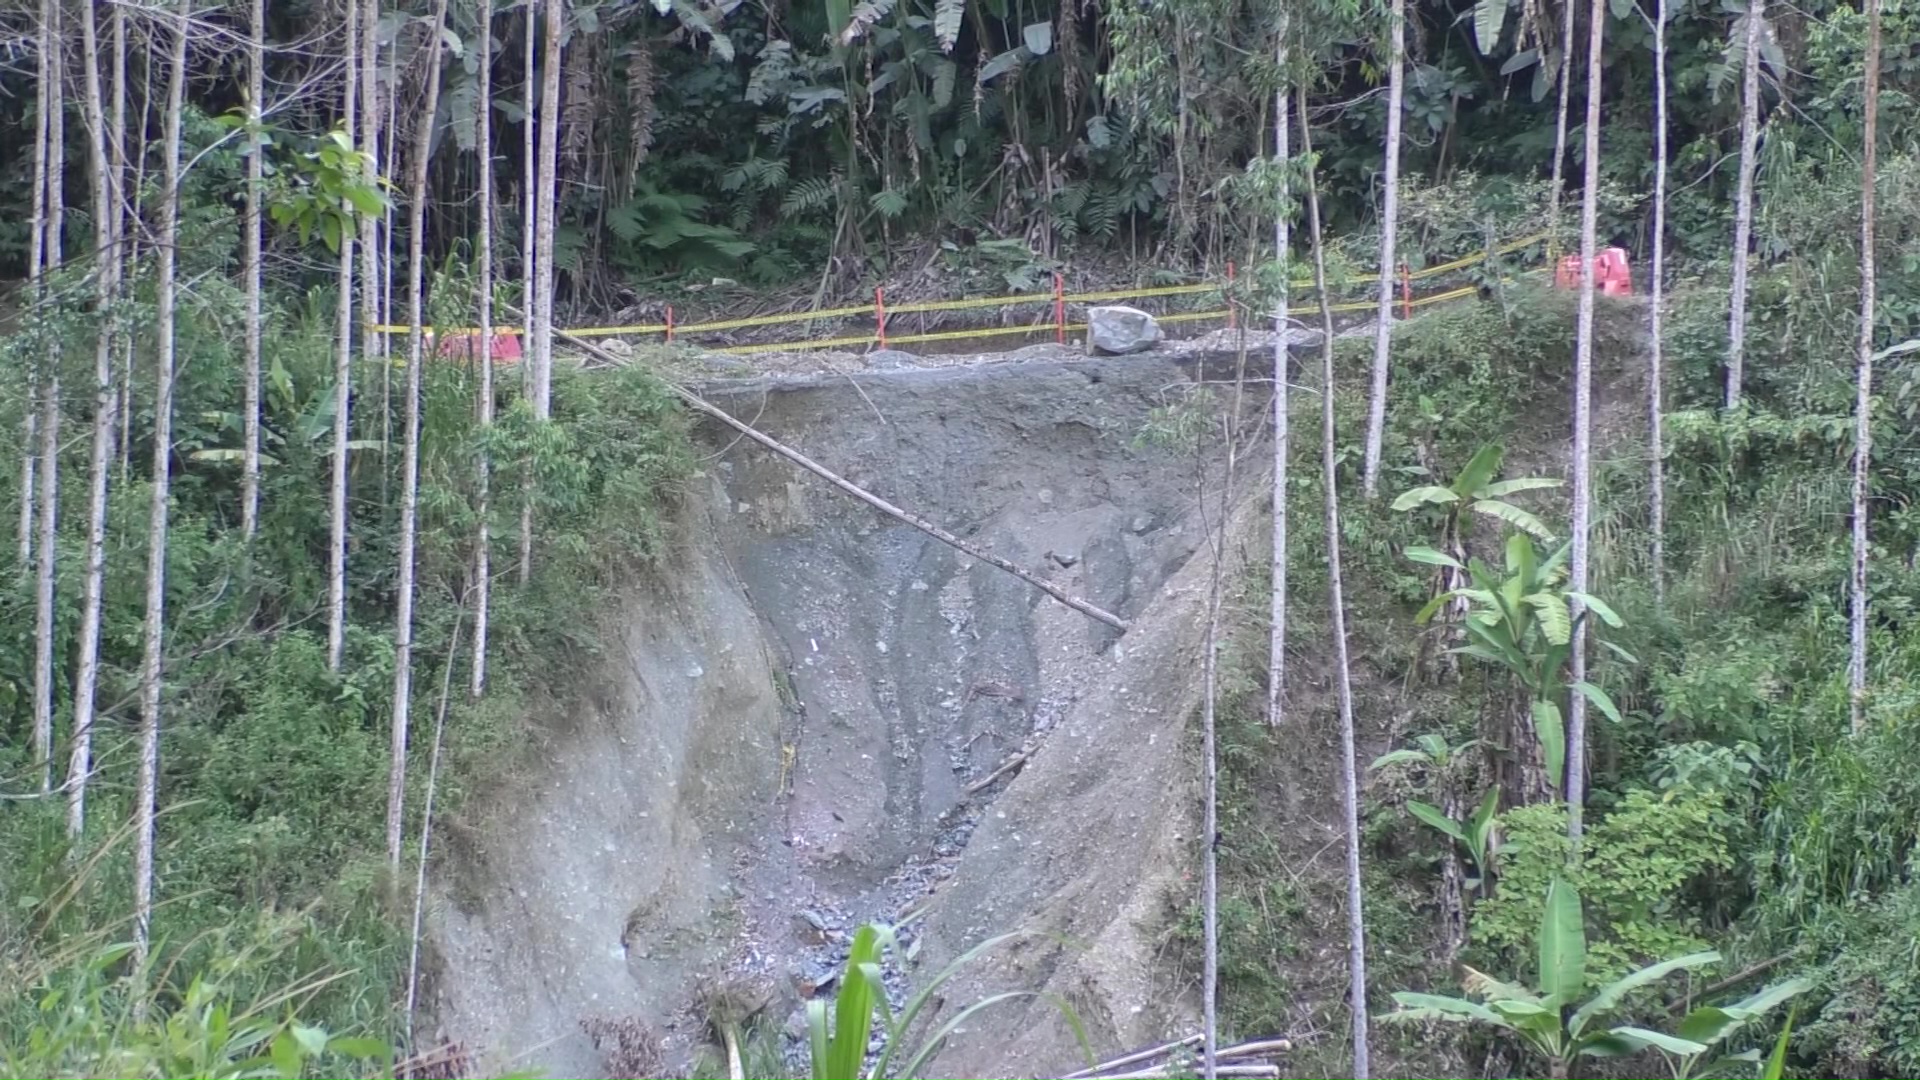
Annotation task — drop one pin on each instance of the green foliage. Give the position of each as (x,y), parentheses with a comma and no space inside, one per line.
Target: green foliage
(839,1048)
(1635,867)
(1546,1019)
(327,189)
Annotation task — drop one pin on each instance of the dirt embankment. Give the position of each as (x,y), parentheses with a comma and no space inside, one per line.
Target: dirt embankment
(795,720)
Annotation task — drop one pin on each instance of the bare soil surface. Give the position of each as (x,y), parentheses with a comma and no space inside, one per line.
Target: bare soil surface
(808,720)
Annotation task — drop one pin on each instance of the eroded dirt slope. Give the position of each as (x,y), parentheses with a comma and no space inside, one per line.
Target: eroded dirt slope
(793,731)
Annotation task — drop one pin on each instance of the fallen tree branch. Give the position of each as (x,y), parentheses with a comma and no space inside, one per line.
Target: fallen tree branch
(1006,766)
(1243,1059)
(705,408)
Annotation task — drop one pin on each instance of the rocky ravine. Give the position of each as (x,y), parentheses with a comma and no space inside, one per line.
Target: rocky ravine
(790,718)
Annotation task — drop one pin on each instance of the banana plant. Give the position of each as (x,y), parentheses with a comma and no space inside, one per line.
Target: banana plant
(1713,1025)
(1474,833)
(1474,490)
(1522,620)
(838,1049)
(1547,1019)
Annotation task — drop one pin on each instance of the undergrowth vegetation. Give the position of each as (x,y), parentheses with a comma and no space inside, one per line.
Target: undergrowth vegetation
(275,894)
(1732,811)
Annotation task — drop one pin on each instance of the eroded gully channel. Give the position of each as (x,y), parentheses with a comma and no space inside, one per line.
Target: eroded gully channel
(796,723)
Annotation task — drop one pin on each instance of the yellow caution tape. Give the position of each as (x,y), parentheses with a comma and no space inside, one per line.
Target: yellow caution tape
(919,307)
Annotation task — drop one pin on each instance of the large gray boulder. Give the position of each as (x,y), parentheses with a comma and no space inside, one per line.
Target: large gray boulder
(1118,330)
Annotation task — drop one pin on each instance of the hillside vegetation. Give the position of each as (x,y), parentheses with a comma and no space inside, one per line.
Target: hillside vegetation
(283,580)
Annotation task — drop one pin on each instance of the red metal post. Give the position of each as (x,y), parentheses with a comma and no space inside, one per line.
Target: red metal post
(1233,320)
(1406,292)
(1059,310)
(669,324)
(880,314)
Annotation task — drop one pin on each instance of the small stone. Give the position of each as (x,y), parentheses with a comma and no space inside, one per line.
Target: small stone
(1141,523)
(1118,330)
(1064,558)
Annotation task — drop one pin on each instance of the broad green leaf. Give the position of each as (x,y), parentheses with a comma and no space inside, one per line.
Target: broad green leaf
(1000,65)
(1514,516)
(1480,827)
(1431,607)
(287,1060)
(1619,652)
(1500,489)
(1621,8)
(946,23)
(1548,727)
(1038,38)
(1598,607)
(1420,496)
(1482,985)
(1519,61)
(1483,466)
(1489,18)
(1599,699)
(1672,1044)
(1434,817)
(1402,756)
(1439,1007)
(1431,557)
(1556,622)
(1522,559)
(1777,1061)
(1555,561)
(1708,1024)
(1563,943)
(1765,1001)
(1613,993)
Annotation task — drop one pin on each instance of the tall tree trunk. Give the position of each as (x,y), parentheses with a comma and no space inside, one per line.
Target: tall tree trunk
(337,510)
(1282,248)
(373,344)
(1656,331)
(1389,229)
(256,89)
(1863,392)
(1583,426)
(483,541)
(410,475)
(126,222)
(50,218)
(1349,775)
(36,251)
(1743,202)
(546,196)
(106,291)
(531,212)
(1557,188)
(153,634)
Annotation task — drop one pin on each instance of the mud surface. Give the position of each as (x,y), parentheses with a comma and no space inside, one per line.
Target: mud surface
(821,716)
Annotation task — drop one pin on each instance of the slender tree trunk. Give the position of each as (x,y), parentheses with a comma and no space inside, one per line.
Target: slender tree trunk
(106,290)
(1282,248)
(256,89)
(532,211)
(36,252)
(337,510)
(1656,373)
(1349,775)
(483,541)
(410,475)
(426,817)
(153,645)
(373,344)
(1863,393)
(1389,229)
(1743,203)
(1557,188)
(1583,427)
(546,195)
(50,218)
(126,221)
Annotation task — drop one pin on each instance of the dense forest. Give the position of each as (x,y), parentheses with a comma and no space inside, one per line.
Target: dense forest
(1627,585)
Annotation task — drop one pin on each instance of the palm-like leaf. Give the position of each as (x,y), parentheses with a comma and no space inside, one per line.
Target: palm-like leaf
(1556,622)
(1563,944)
(1428,495)
(1514,516)
(1500,489)
(1613,993)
